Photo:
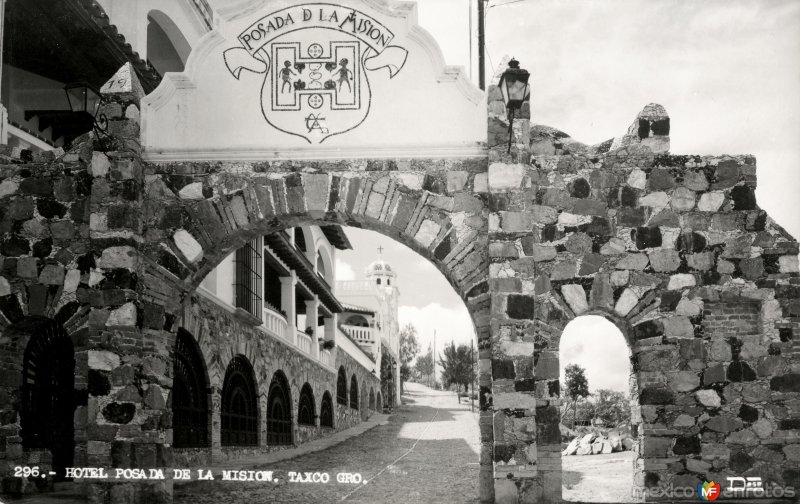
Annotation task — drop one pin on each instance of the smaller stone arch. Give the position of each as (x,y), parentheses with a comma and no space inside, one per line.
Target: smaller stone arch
(326,411)
(372,399)
(306,410)
(379,401)
(279,411)
(353,392)
(341,387)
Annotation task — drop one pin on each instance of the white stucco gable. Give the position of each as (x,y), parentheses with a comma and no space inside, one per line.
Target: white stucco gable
(283,80)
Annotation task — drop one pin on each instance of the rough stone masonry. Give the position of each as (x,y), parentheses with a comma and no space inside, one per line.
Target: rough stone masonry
(672,249)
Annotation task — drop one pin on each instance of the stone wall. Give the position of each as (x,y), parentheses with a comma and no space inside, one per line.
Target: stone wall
(675,251)
(221,336)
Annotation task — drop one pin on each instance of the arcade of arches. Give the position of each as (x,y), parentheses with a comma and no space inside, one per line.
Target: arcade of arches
(109,249)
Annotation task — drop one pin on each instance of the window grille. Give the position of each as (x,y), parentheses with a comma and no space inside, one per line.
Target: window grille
(305,409)
(48,382)
(326,411)
(341,387)
(279,411)
(239,405)
(353,392)
(248,281)
(189,395)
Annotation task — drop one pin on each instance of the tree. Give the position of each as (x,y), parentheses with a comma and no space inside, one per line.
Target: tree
(576,386)
(612,407)
(456,366)
(424,364)
(409,348)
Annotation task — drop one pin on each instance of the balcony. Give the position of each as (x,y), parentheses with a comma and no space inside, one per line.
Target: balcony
(326,358)
(359,334)
(304,342)
(276,324)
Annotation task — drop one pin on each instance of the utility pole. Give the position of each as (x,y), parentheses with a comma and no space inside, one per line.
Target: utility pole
(434,358)
(481,44)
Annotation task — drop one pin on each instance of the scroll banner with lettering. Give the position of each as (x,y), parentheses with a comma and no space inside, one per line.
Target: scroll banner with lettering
(315,59)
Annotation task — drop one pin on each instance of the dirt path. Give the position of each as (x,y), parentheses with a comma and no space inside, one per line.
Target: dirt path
(598,478)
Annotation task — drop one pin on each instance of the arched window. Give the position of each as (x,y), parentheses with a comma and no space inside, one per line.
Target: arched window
(326,411)
(353,392)
(305,409)
(388,281)
(167,48)
(189,395)
(48,383)
(378,281)
(299,239)
(239,405)
(372,399)
(341,387)
(279,411)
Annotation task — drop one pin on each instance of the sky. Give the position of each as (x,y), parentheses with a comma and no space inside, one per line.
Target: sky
(427,301)
(727,71)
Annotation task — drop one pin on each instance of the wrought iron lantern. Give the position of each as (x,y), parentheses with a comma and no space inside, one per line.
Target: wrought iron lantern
(85,99)
(514,88)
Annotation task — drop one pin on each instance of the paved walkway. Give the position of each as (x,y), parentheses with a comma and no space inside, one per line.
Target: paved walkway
(427,451)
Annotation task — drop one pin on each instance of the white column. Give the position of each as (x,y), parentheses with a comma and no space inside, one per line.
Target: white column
(288,285)
(312,313)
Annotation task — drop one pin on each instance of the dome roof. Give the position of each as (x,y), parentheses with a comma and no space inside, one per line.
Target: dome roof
(379,267)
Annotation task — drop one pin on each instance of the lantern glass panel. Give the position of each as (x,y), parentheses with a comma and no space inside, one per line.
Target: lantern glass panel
(82,98)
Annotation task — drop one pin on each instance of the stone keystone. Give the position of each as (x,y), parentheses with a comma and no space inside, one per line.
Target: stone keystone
(575,297)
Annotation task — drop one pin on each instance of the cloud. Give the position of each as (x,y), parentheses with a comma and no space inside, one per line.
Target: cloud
(450,324)
(344,271)
(598,346)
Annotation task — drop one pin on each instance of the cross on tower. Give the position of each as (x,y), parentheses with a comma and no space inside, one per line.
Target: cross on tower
(380,250)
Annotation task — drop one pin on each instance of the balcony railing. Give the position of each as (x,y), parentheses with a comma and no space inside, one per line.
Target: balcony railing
(276,323)
(361,335)
(326,358)
(304,342)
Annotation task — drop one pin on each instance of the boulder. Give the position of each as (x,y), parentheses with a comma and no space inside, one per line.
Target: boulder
(572,447)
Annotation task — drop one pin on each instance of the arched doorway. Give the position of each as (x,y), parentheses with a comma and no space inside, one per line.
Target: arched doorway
(326,411)
(341,387)
(599,413)
(48,403)
(190,413)
(279,411)
(306,413)
(353,392)
(239,405)
(372,399)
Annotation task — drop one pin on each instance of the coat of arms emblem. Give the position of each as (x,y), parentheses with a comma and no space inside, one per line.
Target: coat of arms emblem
(315,59)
